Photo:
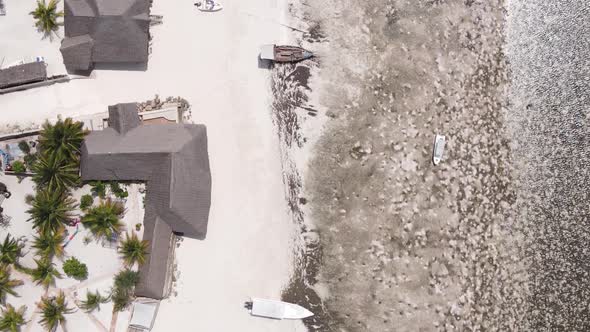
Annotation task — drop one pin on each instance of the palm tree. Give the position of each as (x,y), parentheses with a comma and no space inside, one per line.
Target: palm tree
(7,284)
(133,250)
(11,319)
(103,220)
(64,138)
(53,309)
(93,301)
(10,251)
(126,279)
(46,16)
(121,299)
(49,244)
(55,172)
(122,292)
(50,210)
(45,273)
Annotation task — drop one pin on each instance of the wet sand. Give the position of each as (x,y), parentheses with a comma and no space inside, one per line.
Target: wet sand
(495,238)
(404,245)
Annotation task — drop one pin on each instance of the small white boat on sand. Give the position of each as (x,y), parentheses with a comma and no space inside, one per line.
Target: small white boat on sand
(209,6)
(439,149)
(276,309)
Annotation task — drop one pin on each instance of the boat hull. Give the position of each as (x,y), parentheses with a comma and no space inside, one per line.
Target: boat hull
(284,53)
(216,7)
(438,149)
(277,309)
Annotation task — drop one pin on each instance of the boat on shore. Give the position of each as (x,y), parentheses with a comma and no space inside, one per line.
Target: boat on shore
(438,149)
(209,6)
(276,309)
(284,53)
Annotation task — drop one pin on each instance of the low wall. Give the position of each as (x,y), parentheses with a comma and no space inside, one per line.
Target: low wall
(52,80)
(20,134)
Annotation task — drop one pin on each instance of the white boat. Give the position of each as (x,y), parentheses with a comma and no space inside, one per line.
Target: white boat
(210,6)
(439,149)
(276,309)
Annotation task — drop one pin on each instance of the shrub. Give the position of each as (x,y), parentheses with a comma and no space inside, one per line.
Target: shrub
(30,160)
(75,269)
(18,166)
(126,279)
(138,227)
(24,147)
(117,190)
(98,188)
(86,201)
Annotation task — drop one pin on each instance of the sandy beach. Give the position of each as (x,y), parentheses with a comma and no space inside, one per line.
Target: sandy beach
(210,59)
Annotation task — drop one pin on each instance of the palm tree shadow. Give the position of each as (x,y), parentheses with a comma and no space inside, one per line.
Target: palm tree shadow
(51,34)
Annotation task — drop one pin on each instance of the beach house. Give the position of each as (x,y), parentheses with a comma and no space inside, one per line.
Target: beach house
(173,161)
(109,32)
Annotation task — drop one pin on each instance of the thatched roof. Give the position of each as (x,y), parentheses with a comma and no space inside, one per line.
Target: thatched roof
(174,162)
(22,74)
(105,31)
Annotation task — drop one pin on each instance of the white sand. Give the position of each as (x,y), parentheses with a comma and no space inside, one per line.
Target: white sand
(211,60)
(102,262)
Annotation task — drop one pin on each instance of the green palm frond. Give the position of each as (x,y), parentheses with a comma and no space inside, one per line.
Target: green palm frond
(50,210)
(7,285)
(11,318)
(53,310)
(45,273)
(55,172)
(46,17)
(133,250)
(10,251)
(63,139)
(103,220)
(93,301)
(49,244)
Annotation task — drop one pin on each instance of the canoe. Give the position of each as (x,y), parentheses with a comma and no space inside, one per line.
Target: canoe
(284,53)
(439,149)
(277,309)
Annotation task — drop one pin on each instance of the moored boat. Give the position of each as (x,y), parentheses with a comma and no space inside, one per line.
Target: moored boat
(284,53)
(438,150)
(276,309)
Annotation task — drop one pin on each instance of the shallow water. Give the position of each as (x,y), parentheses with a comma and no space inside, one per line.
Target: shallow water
(548,50)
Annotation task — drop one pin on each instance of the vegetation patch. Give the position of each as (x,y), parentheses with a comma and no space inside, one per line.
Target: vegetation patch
(75,269)
(93,301)
(122,292)
(86,201)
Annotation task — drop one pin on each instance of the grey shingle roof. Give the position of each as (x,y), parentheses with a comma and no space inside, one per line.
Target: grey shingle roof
(118,29)
(174,162)
(22,74)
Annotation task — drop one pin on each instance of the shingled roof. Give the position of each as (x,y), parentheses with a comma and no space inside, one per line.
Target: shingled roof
(22,74)
(105,31)
(173,161)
